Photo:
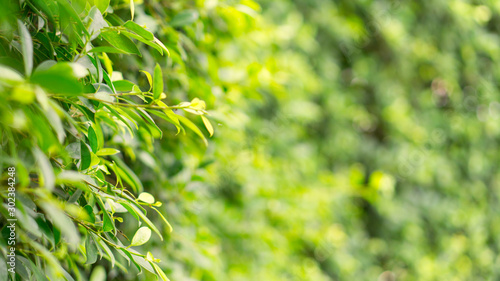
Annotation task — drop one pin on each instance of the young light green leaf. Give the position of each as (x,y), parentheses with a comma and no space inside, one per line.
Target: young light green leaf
(146,197)
(160,272)
(170,229)
(107,151)
(159,43)
(123,85)
(208,125)
(157,82)
(143,217)
(150,79)
(132,9)
(141,236)
(98,274)
(9,76)
(27,47)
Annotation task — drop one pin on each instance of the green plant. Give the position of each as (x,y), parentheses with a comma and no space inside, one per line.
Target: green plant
(64,112)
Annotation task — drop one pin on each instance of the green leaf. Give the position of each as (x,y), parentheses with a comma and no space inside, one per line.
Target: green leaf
(107,151)
(123,85)
(208,125)
(141,236)
(184,18)
(108,252)
(98,274)
(97,23)
(9,76)
(143,263)
(93,139)
(146,197)
(107,223)
(193,127)
(169,116)
(107,49)
(150,120)
(85,156)
(149,43)
(157,82)
(130,210)
(120,41)
(127,174)
(45,169)
(27,47)
(150,79)
(61,78)
(160,272)
(22,268)
(159,43)
(90,249)
(62,222)
(4,276)
(144,218)
(170,229)
(141,31)
(65,6)
(90,213)
(132,9)
(102,5)
(37,273)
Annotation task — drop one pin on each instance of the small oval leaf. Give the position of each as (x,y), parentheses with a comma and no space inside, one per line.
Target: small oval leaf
(141,236)
(146,197)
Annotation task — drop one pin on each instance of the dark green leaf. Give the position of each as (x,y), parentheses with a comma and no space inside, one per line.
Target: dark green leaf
(93,139)
(141,31)
(149,43)
(108,224)
(90,213)
(90,249)
(85,156)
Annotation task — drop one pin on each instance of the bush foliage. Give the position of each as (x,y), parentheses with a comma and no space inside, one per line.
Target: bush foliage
(352,140)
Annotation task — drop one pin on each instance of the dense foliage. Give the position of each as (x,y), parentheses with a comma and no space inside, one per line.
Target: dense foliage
(353,140)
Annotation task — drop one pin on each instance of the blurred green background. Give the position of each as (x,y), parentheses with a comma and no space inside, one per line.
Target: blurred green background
(357,140)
